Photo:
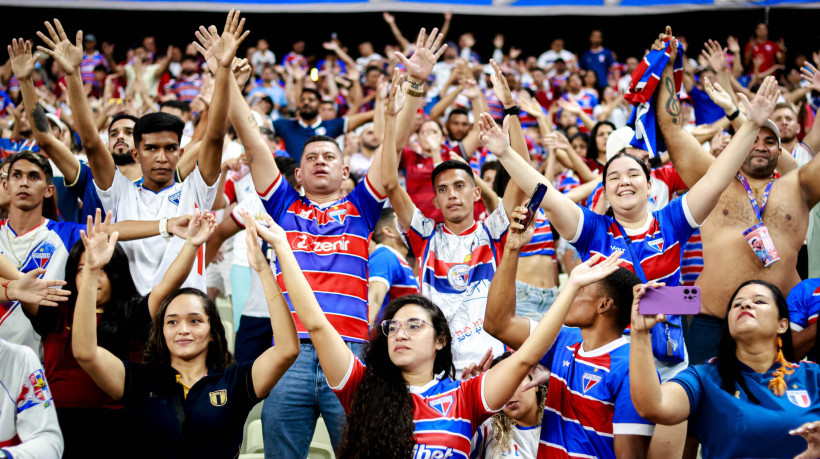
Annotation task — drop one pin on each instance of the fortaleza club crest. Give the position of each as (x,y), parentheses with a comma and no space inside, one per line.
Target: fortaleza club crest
(656,244)
(42,254)
(459,276)
(799,398)
(590,380)
(174,198)
(337,214)
(441,404)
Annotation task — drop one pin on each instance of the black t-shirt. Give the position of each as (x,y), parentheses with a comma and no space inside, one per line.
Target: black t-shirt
(208,423)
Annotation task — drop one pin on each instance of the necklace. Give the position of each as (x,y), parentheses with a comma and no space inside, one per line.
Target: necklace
(11,246)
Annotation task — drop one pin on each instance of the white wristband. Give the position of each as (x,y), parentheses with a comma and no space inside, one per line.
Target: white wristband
(163,229)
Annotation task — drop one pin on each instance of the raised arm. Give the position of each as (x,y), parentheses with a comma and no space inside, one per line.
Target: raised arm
(269,367)
(563,214)
(69,57)
(690,159)
(389,170)
(500,320)
(104,368)
(419,67)
(704,195)
(200,228)
(223,49)
(22,64)
(665,404)
(391,21)
(812,138)
(334,355)
(502,380)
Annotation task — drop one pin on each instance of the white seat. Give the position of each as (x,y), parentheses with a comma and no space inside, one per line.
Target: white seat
(254,415)
(225,308)
(252,456)
(320,446)
(253,439)
(230,337)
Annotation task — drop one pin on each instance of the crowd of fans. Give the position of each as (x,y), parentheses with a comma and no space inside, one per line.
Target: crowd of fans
(370,220)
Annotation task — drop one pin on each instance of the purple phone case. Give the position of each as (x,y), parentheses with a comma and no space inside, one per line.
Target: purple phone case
(671,300)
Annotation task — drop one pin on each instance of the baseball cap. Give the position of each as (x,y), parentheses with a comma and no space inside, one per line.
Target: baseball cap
(618,140)
(90,37)
(769,124)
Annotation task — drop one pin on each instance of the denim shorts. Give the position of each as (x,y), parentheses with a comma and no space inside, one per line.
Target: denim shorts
(532,302)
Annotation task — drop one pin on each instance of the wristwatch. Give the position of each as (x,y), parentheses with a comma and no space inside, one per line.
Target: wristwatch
(514,110)
(163,231)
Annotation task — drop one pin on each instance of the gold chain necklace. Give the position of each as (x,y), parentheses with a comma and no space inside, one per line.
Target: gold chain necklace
(11,246)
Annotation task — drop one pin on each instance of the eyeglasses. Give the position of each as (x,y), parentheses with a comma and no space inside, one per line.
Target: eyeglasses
(410,326)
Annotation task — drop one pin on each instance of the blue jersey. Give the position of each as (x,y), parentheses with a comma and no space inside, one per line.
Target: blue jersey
(706,111)
(804,304)
(542,242)
(83,188)
(391,269)
(729,425)
(599,62)
(331,244)
(295,133)
(9,147)
(658,247)
(588,401)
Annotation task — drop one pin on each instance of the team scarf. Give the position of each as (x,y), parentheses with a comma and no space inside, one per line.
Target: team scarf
(641,94)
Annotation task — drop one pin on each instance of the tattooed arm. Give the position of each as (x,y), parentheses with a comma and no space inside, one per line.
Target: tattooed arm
(690,159)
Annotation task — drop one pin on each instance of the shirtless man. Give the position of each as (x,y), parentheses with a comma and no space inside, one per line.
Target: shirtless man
(728,260)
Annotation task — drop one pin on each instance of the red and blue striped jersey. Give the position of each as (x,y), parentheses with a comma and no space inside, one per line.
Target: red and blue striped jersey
(391,269)
(9,147)
(542,242)
(692,264)
(331,244)
(185,88)
(658,246)
(566,181)
(88,63)
(588,401)
(455,271)
(446,413)
(804,303)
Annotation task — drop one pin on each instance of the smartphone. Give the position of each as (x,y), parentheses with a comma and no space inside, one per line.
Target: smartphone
(680,300)
(533,204)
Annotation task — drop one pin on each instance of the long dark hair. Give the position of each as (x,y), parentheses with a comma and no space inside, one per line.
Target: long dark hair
(383,395)
(727,362)
(124,322)
(156,349)
(592,145)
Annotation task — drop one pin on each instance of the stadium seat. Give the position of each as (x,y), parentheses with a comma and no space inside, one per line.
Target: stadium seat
(253,438)
(254,415)
(321,447)
(229,334)
(252,456)
(225,308)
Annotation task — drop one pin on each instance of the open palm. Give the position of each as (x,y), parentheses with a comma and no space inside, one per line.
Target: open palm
(594,269)
(68,56)
(99,246)
(427,52)
(22,62)
(762,106)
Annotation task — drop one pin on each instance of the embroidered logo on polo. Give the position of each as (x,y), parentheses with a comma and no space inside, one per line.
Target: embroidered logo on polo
(42,254)
(219,397)
(458,276)
(799,398)
(656,244)
(174,198)
(590,380)
(441,404)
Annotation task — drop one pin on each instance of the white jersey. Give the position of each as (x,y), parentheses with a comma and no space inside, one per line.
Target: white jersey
(46,246)
(28,420)
(523,444)
(151,257)
(255,305)
(455,271)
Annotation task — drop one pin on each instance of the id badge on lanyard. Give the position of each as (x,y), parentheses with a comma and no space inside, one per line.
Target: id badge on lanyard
(758,236)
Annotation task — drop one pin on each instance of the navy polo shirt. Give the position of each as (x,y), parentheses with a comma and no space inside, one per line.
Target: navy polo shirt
(295,133)
(208,423)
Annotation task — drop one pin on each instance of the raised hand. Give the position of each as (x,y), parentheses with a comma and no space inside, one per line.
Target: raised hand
(241,70)
(719,96)
(22,62)
(428,50)
(270,231)
(256,259)
(178,226)
(500,86)
(201,227)
(809,73)
(660,43)
(570,105)
(33,290)
(540,375)
(222,47)
(396,97)
(68,56)
(810,431)
(389,18)
(759,109)
(733,45)
(640,322)
(99,245)
(530,105)
(518,236)
(476,368)
(495,138)
(471,89)
(715,55)
(594,269)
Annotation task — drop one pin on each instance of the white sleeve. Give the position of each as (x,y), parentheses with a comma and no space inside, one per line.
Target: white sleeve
(205,194)
(36,422)
(116,193)
(497,223)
